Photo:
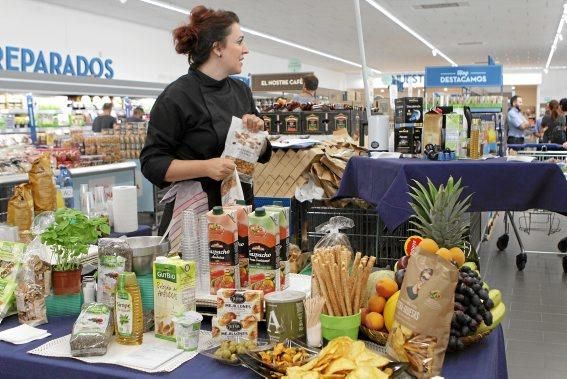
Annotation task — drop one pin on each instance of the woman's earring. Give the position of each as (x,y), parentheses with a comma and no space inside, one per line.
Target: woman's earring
(220,55)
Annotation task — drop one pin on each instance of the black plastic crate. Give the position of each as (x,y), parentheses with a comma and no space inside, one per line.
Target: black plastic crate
(369,235)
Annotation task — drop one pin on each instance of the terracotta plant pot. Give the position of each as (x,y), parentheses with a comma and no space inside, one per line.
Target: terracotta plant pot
(66,282)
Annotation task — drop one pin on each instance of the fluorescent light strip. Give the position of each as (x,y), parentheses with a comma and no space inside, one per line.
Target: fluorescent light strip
(396,20)
(264,35)
(556,39)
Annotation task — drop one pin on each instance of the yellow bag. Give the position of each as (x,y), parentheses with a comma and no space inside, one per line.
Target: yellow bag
(20,207)
(43,188)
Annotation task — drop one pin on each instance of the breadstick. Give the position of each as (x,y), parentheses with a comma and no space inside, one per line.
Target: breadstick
(335,275)
(353,274)
(366,275)
(323,287)
(357,285)
(347,290)
(329,285)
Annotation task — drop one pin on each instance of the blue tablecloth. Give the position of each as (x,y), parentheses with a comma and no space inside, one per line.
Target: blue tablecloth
(486,359)
(496,185)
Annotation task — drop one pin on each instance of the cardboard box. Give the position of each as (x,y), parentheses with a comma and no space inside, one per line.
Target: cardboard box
(433,129)
(241,303)
(231,329)
(313,122)
(271,122)
(407,139)
(340,120)
(408,110)
(291,124)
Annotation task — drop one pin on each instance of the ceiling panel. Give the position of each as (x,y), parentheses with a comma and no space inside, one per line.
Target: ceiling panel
(515,32)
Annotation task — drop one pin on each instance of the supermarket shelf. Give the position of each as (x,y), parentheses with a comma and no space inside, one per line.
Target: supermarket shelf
(78,171)
(13,179)
(86,128)
(13,111)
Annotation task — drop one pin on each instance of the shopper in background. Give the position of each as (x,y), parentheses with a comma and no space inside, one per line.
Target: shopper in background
(105,120)
(190,119)
(551,122)
(307,95)
(517,123)
(137,115)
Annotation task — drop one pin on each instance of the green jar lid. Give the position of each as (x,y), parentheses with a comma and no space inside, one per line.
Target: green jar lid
(260,212)
(217,211)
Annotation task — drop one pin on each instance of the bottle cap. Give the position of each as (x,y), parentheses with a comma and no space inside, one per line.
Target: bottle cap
(217,210)
(240,202)
(260,211)
(278,203)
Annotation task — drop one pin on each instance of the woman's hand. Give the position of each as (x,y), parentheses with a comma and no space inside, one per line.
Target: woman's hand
(253,123)
(219,168)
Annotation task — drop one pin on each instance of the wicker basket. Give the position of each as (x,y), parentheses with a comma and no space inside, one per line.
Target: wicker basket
(382,337)
(375,336)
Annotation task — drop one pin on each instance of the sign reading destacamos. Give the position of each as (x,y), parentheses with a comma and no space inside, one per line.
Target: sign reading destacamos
(291,81)
(463,76)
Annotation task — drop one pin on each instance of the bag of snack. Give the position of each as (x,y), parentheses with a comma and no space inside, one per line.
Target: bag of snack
(42,185)
(231,189)
(332,233)
(11,254)
(244,148)
(20,207)
(114,257)
(92,331)
(422,322)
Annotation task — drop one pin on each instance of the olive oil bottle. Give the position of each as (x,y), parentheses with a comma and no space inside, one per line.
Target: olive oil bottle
(129,319)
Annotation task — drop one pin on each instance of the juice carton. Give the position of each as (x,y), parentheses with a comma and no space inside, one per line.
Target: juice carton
(242,212)
(223,249)
(283,213)
(242,304)
(228,328)
(174,293)
(263,251)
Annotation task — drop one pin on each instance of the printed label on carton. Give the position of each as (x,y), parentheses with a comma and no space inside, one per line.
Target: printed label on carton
(228,328)
(242,303)
(264,253)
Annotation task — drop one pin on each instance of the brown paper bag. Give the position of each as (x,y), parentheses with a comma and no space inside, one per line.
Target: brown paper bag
(422,322)
(20,207)
(43,189)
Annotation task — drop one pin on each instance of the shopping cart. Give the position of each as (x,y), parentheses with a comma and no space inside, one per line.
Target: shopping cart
(559,157)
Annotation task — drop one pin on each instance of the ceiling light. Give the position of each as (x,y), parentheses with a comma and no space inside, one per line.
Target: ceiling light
(173,8)
(434,52)
(409,30)
(558,37)
(123,1)
(545,70)
(513,87)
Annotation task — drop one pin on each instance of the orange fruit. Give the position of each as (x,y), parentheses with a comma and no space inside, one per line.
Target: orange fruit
(411,243)
(363,313)
(428,246)
(374,321)
(386,287)
(445,254)
(390,310)
(458,256)
(376,304)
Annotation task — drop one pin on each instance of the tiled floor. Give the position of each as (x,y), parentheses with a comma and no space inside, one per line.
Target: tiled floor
(535,327)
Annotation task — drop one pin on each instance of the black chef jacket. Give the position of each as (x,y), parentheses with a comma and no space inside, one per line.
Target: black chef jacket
(190,121)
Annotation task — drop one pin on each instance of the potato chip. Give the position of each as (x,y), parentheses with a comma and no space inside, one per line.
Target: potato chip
(366,373)
(341,364)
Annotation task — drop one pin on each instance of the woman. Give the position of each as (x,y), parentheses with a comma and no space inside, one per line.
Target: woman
(191,117)
(551,122)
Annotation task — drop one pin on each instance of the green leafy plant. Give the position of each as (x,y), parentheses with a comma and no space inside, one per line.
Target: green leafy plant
(70,235)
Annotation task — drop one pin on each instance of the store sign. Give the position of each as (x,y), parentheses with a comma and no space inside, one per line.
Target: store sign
(26,60)
(292,81)
(464,76)
(413,80)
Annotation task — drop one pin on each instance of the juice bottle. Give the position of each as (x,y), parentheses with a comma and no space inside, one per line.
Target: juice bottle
(223,249)
(129,319)
(474,148)
(263,252)
(283,216)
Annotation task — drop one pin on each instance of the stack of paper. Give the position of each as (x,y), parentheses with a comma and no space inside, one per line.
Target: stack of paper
(23,334)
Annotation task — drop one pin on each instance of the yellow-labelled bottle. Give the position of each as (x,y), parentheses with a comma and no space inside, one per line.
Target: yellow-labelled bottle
(129,319)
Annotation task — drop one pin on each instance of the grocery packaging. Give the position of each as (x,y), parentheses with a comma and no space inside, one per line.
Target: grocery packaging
(187,328)
(422,321)
(129,318)
(263,253)
(114,257)
(223,249)
(10,265)
(433,129)
(174,293)
(242,212)
(240,303)
(20,207)
(43,189)
(284,220)
(92,331)
(228,328)
(231,189)
(31,291)
(244,148)
(332,230)
(453,131)
(285,315)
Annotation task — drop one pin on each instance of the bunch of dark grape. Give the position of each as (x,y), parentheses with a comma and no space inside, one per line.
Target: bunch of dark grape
(472,307)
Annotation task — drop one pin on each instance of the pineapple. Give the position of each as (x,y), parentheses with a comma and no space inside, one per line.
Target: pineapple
(439,214)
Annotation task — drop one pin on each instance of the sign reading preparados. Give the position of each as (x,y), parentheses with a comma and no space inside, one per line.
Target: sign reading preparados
(26,60)
(464,76)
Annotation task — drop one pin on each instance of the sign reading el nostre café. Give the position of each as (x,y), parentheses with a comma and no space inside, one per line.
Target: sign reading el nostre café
(290,81)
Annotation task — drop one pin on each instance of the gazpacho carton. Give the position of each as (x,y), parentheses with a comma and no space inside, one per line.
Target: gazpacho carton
(263,251)
(242,212)
(223,249)
(283,213)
